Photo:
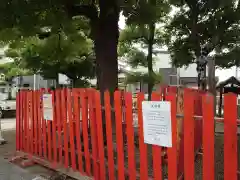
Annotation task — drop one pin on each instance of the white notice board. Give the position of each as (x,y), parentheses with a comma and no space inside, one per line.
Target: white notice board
(157,128)
(47,107)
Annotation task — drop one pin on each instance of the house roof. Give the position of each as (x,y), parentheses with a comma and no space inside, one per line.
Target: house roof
(232,80)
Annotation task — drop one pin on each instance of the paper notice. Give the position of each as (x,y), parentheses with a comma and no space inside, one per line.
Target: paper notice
(47,107)
(157,127)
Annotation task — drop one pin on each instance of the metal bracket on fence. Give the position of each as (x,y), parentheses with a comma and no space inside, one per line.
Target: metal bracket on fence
(2,140)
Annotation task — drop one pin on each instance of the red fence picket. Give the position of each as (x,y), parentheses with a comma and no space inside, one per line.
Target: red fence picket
(188,135)
(88,134)
(172,152)
(230,137)
(208,137)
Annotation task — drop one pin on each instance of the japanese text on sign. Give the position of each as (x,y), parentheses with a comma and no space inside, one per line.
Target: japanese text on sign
(47,107)
(157,127)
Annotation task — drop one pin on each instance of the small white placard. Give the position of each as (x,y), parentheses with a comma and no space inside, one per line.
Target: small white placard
(47,107)
(157,128)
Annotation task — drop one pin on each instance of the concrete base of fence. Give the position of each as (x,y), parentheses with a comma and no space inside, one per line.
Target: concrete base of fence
(62,170)
(9,171)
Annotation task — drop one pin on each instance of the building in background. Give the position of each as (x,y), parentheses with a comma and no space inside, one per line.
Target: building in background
(171,76)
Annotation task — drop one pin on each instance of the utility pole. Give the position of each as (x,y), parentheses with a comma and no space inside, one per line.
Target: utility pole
(201,69)
(212,79)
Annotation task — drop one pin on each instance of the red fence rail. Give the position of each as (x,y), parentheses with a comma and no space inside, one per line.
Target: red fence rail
(103,141)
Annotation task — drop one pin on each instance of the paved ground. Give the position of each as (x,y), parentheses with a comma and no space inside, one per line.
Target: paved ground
(9,171)
(8,124)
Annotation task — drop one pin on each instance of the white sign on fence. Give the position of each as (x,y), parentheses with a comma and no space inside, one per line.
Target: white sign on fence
(157,128)
(47,107)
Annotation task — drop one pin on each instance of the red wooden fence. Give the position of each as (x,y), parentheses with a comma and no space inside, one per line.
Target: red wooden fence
(88,138)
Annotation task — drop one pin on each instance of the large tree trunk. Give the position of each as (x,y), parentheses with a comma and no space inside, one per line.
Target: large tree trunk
(106,34)
(106,42)
(150,59)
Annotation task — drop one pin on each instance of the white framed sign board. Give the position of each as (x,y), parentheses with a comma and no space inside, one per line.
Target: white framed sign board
(157,126)
(47,107)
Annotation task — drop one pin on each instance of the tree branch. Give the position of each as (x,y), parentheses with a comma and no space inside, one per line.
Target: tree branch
(90,11)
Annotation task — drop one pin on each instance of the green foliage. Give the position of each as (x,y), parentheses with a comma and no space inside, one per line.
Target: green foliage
(70,54)
(141,39)
(20,19)
(207,25)
(154,78)
(12,69)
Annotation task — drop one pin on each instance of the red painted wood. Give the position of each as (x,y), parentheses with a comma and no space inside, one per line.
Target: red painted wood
(119,134)
(109,135)
(44,127)
(130,136)
(40,130)
(71,129)
(28,134)
(157,150)
(59,124)
(35,121)
(230,137)
(208,137)
(172,152)
(21,109)
(188,136)
(142,145)
(93,128)
(65,126)
(85,123)
(100,136)
(54,130)
(77,120)
(17,122)
(32,138)
(49,137)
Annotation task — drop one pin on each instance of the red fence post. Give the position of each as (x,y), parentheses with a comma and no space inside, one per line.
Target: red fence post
(28,133)
(44,128)
(78,129)
(172,152)
(18,122)
(65,127)
(40,122)
(142,145)
(93,128)
(32,138)
(71,128)
(54,123)
(100,136)
(108,113)
(188,135)
(230,137)
(119,134)
(130,136)
(157,151)
(58,117)
(208,137)
(21,119)
(85,123)
(35,117)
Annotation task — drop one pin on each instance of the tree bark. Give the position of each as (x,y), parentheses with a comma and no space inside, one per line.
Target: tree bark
(150,59)
(106,42)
